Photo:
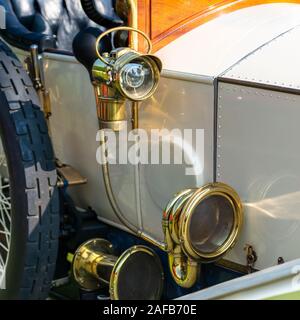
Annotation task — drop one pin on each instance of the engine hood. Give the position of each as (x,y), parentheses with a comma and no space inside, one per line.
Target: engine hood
(274,66)
(214,47)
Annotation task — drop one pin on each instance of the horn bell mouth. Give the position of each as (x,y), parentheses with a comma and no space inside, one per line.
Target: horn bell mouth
(137,275)
(210,222)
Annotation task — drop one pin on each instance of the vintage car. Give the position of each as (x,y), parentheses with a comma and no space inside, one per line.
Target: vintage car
(149,149)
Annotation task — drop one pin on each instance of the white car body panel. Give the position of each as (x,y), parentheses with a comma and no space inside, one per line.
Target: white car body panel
(215,46)
(74,127)
(176,105)
(257,136)
(275,64)
(267,284)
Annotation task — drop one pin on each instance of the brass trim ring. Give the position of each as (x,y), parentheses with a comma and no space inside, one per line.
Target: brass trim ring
(203,193)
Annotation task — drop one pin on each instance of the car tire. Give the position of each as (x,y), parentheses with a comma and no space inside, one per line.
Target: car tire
(34,202)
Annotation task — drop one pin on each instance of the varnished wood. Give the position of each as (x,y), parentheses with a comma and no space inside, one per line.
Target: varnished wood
(166,20)
(172,13)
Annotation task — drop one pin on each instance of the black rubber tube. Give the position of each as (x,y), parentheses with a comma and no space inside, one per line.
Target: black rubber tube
(102,16)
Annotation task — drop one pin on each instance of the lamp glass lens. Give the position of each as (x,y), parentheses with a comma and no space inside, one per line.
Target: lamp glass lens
(137,79)
(134,74)
(211,224)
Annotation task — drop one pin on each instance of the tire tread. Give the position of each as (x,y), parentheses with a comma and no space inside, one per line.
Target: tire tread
(40,175)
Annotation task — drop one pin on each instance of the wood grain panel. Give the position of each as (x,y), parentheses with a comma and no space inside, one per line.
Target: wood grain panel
(171,13)
(166,20)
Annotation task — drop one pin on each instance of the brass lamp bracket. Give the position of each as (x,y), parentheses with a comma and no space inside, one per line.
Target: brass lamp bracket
(120,29)
(34,64)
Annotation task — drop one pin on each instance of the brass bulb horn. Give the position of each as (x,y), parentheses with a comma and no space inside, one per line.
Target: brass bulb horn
(136,274)
(200,226)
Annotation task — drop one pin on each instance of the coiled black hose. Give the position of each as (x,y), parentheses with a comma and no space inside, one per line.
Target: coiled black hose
(103,14)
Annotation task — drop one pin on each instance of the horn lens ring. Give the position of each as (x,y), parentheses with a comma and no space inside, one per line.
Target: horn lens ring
(201,195)
(120,275)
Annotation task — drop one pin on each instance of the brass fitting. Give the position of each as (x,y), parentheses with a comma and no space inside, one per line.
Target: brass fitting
(111,108)
(185,254)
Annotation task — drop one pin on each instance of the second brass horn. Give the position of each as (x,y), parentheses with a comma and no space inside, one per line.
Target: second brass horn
(95,265)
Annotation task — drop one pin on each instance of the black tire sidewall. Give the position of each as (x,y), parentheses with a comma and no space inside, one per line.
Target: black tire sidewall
(19,204)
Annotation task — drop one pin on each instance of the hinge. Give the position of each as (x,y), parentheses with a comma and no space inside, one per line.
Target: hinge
(68,176)
(251,257)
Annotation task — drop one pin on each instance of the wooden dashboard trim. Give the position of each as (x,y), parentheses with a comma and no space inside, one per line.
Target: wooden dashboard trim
(147,24)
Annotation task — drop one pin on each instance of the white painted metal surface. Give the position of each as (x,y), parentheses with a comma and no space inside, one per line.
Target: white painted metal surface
(276,63)
(258,155)
(74,127)
(215,46)
(269,283)
(182,105)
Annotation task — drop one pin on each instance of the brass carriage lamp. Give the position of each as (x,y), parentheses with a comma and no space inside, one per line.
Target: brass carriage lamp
(123,74)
